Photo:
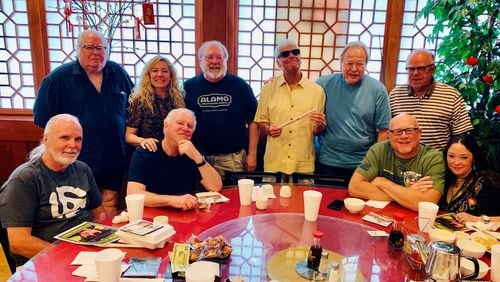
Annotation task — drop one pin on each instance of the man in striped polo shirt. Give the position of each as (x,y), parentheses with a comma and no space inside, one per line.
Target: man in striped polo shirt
(439,108)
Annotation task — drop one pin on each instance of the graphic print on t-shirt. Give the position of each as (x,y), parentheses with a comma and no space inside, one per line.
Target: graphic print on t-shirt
(214,100)
(67,201)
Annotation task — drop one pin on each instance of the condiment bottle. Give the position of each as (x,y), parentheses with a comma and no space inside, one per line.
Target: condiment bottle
(314,256)
(396,237)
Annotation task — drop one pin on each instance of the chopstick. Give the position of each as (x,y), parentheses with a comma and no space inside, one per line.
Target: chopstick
(297,118)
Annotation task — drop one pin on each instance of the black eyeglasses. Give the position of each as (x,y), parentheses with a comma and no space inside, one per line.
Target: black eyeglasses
(408,131)
(420,69)
(91,48)
(285,54)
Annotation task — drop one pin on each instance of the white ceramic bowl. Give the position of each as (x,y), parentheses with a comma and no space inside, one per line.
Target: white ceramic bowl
(354,205)
(483,239)
(461,235)
(436,234)
(467,267)
(471,248)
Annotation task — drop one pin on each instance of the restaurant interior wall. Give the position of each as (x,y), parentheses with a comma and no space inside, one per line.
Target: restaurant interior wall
(35,39)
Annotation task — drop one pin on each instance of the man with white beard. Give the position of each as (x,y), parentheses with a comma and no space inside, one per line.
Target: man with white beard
(225,106)
(50,193)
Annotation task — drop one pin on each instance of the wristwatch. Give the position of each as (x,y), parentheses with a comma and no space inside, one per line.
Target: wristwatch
(202,163)
(486,219)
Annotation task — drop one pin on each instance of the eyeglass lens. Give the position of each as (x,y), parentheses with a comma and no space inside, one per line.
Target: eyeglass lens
(421,68)
(408,131)
(285,54)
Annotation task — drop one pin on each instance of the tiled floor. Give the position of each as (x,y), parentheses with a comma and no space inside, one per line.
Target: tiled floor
(4,267)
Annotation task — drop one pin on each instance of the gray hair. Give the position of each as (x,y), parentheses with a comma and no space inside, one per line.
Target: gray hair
(282,43)
(355,44)
(40,149)
(205,45)
(425,51)
(177,111)
(81,35)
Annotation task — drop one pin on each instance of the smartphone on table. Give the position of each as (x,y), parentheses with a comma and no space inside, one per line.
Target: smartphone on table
(336,205)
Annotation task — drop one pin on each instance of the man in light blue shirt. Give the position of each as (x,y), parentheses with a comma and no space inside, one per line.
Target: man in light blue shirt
(357,114)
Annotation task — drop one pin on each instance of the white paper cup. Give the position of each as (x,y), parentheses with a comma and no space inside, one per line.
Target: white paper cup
(108,264)
(495,263)
(285,191)
(161,219)
(200,272)
(427,212)
(135,206)
(245,187)
(312,199)
(261,202)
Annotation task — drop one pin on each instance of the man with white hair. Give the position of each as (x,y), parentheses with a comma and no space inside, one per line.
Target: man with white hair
(288,97)
(50,193)
(224,105)
(96,91)
(168,176)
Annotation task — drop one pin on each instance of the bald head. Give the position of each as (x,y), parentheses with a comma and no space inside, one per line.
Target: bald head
(404,136)
(423,56)
(403,119)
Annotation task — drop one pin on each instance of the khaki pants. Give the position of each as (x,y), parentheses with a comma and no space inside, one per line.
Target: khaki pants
(228,162)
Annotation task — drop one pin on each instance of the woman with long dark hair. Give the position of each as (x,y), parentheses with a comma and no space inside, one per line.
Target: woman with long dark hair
(472,193)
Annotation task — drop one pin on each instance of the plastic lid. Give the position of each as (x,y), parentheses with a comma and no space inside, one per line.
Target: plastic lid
(398,216)
(318,234)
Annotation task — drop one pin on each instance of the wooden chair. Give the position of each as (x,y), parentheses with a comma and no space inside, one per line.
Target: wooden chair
(231,177)
(6,249)
(320,179)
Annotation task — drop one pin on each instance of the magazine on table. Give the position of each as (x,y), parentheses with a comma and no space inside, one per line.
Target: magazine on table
(89,233)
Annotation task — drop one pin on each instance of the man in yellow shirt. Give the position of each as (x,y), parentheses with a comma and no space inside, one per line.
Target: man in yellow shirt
(290,112)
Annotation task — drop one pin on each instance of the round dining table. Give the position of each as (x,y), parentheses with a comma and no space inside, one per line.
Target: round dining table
(266,243)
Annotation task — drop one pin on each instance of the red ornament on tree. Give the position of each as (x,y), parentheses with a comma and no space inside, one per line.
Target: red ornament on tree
(488,79)
(148,13)
(497,109)
(472,61)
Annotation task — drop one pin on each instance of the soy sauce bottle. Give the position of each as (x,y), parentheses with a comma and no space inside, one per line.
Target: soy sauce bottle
(396,237)
(314,256)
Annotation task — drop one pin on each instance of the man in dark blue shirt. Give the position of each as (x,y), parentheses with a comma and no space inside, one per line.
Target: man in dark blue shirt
(96,91)
(168,175)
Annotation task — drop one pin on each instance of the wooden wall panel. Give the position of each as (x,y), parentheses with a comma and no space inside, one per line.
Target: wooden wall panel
(18,135)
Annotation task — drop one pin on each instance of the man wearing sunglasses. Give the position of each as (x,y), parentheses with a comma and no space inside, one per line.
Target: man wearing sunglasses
(96,91)
(439,108)
(357,112)
(400,169)
(290,113)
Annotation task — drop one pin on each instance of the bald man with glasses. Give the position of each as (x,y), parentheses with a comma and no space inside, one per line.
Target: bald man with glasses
(439,108)
(400,169)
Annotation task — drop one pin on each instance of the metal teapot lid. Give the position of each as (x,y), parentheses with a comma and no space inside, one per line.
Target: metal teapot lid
(445,247)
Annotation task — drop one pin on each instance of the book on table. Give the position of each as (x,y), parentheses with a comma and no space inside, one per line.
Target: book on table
(89,233)
(146,233)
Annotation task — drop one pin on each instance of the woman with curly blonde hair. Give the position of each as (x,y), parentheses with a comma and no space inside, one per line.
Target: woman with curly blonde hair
(157,94)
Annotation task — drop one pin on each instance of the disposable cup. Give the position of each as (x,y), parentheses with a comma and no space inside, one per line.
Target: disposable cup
(427,212)
(245,187)
(200,272)
(312,199)
(108,265)
(495,263)
(135,206)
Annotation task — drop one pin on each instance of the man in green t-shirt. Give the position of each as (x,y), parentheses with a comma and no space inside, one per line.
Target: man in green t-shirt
(400,169)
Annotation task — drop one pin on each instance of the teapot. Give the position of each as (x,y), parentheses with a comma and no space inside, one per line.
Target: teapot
(442,261)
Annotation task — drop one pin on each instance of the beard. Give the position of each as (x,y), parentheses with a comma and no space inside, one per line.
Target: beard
(60,158)
(214,75)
